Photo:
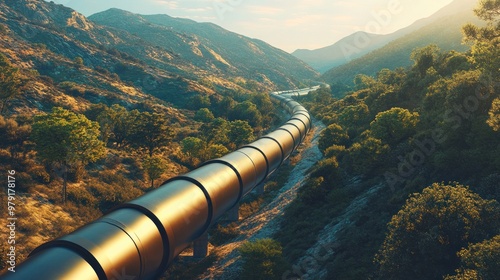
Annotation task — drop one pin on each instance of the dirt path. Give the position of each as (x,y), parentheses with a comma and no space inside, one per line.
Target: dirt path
(266,221)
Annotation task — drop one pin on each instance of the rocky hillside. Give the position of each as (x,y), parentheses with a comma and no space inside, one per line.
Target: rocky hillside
(210,47)
(68,59)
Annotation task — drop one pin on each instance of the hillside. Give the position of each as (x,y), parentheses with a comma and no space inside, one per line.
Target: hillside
(120,66)
(445,32)
(210,47)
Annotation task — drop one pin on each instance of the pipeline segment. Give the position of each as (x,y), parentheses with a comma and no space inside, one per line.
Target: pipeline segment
(138,239)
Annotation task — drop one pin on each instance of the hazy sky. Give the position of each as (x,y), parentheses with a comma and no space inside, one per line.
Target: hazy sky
(286,24)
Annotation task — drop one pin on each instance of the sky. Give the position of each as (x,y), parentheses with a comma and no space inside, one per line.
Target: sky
(286,24)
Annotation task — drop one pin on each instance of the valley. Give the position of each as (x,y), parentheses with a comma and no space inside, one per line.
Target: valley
(142,133)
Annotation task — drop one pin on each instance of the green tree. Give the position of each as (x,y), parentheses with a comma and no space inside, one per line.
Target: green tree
(78,61)
(224,106)
(151,132)
(10,82)
(334,134)
(263,103)
(262,259)
(123,127)
(354,117)
(240,133)
(425,58)
(215,151)
(115,122)
(155,167)
(198,101)
(367,154)
(481,260)
(362,81)
(204,115)
(494,113)
(394,125)
(486,40)
(192,146)
(216,131)
(246,111)
(423,239)
(63,137)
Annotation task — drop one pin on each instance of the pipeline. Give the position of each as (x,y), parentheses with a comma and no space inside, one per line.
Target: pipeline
(139,239)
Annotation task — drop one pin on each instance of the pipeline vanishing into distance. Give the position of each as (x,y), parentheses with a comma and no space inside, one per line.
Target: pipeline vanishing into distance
(138,239)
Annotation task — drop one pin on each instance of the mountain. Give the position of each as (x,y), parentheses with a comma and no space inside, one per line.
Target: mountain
(78,59)
(343,51)
(211,47)
(444,30)
(361,43)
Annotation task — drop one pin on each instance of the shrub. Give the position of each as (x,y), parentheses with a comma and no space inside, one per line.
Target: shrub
(24,182)
(81,197)
(262,259)
(250,208)
(39,174)
(222,234)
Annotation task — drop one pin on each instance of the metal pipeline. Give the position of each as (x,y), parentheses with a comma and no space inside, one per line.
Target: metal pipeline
(138,239)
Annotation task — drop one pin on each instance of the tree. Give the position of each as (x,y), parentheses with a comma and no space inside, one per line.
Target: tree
(362,81)
(486,40)
(353,117)
(394,125)
(424,237)
(263,102)
(151,132)
(480,260)
(334,134)
(115,122)
(204,115)
(124,123)
(246,111)
(262,259)
(367,154)
(494,113)
(240,133)
(224,106)
(78,61)
(424,58)
(10,82)
(155,167)
(193,147)
(63,137)
(216,131)
(198,101)
(215,151)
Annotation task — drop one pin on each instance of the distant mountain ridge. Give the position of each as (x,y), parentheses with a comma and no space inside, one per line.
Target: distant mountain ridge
(361,43)
(445,30)
(209,46)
